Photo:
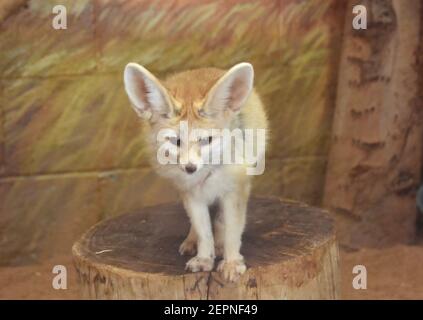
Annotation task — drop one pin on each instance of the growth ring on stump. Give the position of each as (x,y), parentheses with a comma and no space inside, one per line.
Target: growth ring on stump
(289,248)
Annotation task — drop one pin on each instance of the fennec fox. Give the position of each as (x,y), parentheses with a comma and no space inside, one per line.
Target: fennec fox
(209,101)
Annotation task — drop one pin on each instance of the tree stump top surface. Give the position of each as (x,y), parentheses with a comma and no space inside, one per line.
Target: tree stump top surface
(148,241)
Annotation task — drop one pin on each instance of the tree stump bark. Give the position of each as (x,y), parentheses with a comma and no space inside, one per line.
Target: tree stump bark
(290,252)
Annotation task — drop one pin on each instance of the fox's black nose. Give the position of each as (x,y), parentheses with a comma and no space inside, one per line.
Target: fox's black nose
(190,168)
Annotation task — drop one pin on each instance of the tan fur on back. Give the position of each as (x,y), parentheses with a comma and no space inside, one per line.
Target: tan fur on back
(188,91)
(192,85)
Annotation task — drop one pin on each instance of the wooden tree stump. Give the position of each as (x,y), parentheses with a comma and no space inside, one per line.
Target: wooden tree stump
(290,252)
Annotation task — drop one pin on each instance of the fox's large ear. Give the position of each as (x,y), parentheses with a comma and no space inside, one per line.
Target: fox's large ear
(232,90)
(147,95)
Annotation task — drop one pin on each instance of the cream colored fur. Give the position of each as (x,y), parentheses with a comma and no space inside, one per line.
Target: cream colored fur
(205,98)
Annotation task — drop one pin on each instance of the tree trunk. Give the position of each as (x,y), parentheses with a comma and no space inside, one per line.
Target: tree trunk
(290,251)
(375,157)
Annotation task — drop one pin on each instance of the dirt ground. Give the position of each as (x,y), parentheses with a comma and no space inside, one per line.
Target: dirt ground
(392,273)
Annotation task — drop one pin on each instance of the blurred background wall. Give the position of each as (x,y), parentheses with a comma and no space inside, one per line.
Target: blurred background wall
(71,153)
(374,166)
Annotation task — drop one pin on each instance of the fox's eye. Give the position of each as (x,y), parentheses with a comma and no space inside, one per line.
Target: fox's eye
(206,141)
(175,140)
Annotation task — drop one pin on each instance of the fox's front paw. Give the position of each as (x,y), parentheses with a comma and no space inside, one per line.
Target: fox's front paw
(231,270)
(188,247)
(199,264)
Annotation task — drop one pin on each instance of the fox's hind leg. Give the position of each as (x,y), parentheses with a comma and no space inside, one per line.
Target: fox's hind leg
(189,245)
(219,233)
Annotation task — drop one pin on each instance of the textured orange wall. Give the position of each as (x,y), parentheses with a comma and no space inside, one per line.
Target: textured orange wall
(70,146)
